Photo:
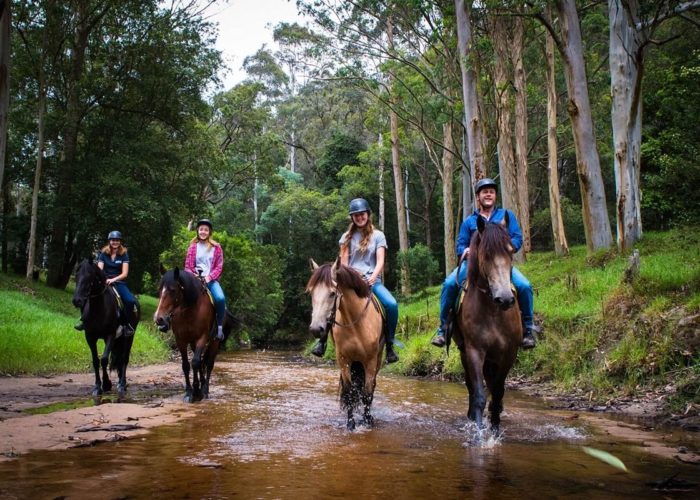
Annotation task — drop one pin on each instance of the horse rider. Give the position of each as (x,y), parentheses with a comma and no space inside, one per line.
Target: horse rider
(486,194)
(114,262)
(363,248)
(205,258)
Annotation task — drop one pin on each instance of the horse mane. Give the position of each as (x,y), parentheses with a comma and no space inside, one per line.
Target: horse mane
(493,240)
(191,286)
(91,267)
(346,277)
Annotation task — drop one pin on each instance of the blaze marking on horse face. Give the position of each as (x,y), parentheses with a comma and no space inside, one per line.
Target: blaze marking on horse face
(322,301)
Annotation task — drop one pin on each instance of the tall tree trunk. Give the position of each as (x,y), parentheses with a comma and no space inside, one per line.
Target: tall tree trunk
(39,164)
(506,161)
(448,167)
(382,208)
(561,247)
(476,142)
(61,250)
(398,175)
(595,214)
(4,82)
(626,56)
(520,130)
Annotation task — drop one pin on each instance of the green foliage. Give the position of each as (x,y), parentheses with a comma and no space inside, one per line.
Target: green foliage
(340,149)
(37,335)
(251,280)
(422,267)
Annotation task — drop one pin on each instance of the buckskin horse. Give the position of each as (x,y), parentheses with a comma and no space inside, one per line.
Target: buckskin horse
(341,299)
(488,330)
(184,305)
(98,304)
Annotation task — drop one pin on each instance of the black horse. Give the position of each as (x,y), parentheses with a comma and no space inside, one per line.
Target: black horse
(98,303)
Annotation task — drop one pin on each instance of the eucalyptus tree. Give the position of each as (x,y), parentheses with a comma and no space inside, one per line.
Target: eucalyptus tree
(632,27)
(5,14)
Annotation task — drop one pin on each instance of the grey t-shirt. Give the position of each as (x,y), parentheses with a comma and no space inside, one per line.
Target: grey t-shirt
(364,262)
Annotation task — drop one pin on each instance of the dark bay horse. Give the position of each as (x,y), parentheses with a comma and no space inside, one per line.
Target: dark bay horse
(488,330)
(341,305)
(98,304)
(184,306)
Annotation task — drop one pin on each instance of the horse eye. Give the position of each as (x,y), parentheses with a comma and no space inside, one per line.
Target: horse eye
(332,294)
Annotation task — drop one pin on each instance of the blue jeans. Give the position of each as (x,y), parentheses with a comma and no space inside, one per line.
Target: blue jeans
(391,308)
(128,299)
(450,290)
(217,294)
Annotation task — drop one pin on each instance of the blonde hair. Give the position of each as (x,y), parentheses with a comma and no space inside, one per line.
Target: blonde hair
(108,250)
(366,230)
(210,243)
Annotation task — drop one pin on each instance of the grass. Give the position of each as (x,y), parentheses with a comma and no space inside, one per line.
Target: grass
(37,335)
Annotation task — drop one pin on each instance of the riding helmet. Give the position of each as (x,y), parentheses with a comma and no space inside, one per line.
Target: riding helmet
(359,205)
(205,222)
(114,235)
(484,183)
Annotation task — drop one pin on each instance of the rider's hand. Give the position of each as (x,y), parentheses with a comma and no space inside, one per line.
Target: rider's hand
(109,281)
(465,254)
(207,279)
(371,280)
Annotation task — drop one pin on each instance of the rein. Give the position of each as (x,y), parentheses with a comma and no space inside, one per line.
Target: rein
(331,317)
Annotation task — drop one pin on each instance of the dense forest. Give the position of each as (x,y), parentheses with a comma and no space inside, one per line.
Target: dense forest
(112,116)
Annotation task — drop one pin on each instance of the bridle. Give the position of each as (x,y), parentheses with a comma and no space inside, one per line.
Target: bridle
(330,320)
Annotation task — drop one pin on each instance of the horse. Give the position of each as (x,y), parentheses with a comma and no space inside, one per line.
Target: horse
(98,302)
(488,330)
(184,305)
(341,299)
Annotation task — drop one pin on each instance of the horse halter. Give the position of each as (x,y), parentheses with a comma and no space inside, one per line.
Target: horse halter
(330,321)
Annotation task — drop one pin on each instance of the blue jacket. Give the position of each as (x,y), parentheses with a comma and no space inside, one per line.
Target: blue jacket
(468,228)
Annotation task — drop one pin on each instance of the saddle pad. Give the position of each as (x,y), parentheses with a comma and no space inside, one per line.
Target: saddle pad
(120,302)
(211,297)
(379,307)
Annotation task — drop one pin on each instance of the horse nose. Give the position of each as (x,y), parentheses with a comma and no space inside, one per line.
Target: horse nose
(162,324)
(77,302)
(505,302)
(317,331)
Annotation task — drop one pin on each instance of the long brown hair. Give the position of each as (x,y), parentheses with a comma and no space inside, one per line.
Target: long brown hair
(108,250)
(367,231)
(210,242)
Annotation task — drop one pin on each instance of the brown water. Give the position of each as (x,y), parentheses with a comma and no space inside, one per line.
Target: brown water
(273,429)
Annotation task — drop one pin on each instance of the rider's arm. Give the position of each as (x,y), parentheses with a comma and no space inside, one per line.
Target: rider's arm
(345,255)
(191,259)
(464,238)
(516,236)
(379,268)
(122,276)
(217,265)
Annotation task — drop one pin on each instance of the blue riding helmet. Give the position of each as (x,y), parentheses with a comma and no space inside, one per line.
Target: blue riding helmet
(484,183)
(205,222)
(359,205)
(114,235)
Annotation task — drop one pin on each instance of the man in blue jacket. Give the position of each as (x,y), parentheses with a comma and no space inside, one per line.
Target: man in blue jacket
(486,193)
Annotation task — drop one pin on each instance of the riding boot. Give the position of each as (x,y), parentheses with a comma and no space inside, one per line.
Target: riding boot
(439,339)
(320,348)
(529,339)
(391,356)
(220,332)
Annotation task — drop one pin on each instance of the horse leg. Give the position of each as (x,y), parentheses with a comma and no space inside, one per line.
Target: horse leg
(186,372)
(209,366)
(496,382)
(97,388)
(473,361)
(121,369)
(106,382)
(346,398)
(197,373)
(368,393)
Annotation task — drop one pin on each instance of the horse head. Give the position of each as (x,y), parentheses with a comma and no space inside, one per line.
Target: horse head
(170,297)
(323,289)
(494,258)
(87,277)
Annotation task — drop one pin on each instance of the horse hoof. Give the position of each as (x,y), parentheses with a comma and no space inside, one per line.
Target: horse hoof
(351,425)
(187,399)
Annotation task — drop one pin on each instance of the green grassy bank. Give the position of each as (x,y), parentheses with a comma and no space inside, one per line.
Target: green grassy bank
(602,337)
(37,335)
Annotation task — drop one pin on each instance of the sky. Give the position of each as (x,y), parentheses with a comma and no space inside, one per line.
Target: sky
(244,26)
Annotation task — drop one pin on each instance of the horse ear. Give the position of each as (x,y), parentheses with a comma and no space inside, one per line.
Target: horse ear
(334,269)
(162,269)
(506,220)
(480,223)
(313,264)
(176,273)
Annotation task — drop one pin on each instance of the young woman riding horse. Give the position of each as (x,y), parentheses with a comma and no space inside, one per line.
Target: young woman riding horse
(100,321)
(341,302)
(488,330)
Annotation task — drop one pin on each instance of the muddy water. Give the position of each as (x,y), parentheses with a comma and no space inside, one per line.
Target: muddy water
(273,430)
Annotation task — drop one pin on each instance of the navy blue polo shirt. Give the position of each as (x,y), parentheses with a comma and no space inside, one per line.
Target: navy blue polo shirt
(113,268)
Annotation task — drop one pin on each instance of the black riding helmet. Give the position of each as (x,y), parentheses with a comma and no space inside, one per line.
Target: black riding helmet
(359,205)
(484,183)
(205,222)
(114,235)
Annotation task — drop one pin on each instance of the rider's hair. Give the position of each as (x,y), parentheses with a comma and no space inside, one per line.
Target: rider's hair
(108,250)
(366,231)
(210,243)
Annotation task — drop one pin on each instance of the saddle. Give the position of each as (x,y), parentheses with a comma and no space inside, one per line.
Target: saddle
(120,302)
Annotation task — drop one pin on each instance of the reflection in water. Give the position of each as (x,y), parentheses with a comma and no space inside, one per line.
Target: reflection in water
(273,429)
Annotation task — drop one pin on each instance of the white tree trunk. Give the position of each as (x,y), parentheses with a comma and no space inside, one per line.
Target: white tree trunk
(472,118)
(595,215)
(626,53)
(31,258)
(561,246)
(520,131)
(448,166)
(4,82)
(381,185)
